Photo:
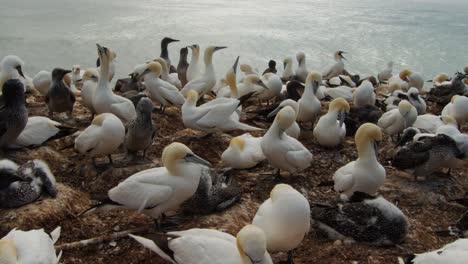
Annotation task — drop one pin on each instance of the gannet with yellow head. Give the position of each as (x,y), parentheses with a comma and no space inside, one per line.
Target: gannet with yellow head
(243,152)
(309,104)
(395,121)
(330,130)
(337,68)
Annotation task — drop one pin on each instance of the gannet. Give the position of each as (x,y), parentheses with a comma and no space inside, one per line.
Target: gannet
(444,93)
(458,108)
(330,130)
(364,94)
(337,68)
(271,67)
(396,120)
(404,86)
(282,151)
(217,115)
(204,83)
(193,70)
(59,97)
(273,83)
(29,247)
(159,90)
(161,189)
(284,218)
(76,78)
(42,81)
(140,131)
(40,129)
(301,71)
(394,98)
(294,130)
(441,79)
(103,137)
(24,184)
(105,101)
(453,253)
(416,100)
(246,69)
(231,90)
(364,174)
(386,73)
(172,78)
(210,246)
(414,79)
(13,112)
(287,69)
(309,105)
(11,68)
(363,219)
(165,53)
(182,66)
(342,91)
(429,123)
(111,58)
(90,82)
(253,84)
(243,152)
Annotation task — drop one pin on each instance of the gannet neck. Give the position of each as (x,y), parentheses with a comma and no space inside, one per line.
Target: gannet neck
(366,151)
(208,59)
(231,81)
(331,117)
(104,71)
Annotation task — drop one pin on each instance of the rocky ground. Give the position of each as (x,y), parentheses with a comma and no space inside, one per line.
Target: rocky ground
(426,202)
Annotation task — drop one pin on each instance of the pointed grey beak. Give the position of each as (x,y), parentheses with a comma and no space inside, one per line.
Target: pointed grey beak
(274,112)
(234,67)
(284,65)
(315,86)
(193,46)
(196,159)
(219,48)
(20,70)
(376,147)
(100,48)
(342,117)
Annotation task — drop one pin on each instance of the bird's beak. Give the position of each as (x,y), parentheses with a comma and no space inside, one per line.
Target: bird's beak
(138,76)
(100,49)
(95,78)
(219,48)
(376,146)
(342,117)
(174,40)
(284,65)
(67,71)
(262,84)
(20,70)
(196,159)
(192,46)
(315,86)
(234,67)
(274,112)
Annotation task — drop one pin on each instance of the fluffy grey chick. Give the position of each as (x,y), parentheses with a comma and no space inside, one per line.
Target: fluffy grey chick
(59,98)
(140,131)
(13,112)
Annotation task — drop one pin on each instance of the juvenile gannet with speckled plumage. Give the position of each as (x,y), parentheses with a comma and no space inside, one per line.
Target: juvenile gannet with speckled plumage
(364,94)
(13,112)
(309,105)
(282,151)
(396,120)
(103,137)
(172,78)
(287,69)
(386,73)
(365,174)
(195,246)
(301,71)
(193,70)
(140,131)
(11,68)
(413,79)
(285,219)
(337,68)
(165,53)
(330,130)
(294,130)
(29,247)
(243,152)
(205,82)
(458,108)
(90,82)
(105,101)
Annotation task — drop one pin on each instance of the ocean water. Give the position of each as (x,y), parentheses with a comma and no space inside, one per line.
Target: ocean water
(426,36)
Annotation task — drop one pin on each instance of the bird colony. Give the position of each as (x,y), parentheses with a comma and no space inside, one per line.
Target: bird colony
(175,165)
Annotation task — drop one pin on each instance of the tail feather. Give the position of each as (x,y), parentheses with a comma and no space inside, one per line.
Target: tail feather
(55,235)
(100,204)
(158,244)
(64,131)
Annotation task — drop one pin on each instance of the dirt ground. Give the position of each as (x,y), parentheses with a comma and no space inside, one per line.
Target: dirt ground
(426,202)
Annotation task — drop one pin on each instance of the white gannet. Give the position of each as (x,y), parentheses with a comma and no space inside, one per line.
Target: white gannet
(13,112)
(364,174)
(195,246)
(287,69)
(394,98)
(330,130)
(172,78)
(404,86)
(364,94)
(416,100)
(111,58)
(76,78)
(441,79)
(40,129)
(342,91)
(253,84)
(230,90)
(216,115)
(337,68)
(42,81)
(103,137)
(246,69)
(453,253)
(90,82)
(309,105)
(294,130)
(458,108)
(29,247)
(105,101)
(396,120)
(386,73)
(11,68)
(282,151)
(414,79)
(159,90)
(274,84)
(158,190)
(285,219)
(429,123)
(193,70)
(301,71)
(204,83)
(243,152)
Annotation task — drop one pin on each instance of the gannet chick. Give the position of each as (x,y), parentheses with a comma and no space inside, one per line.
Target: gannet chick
(76,78)
(205,82)
(453,253)
(458,108)
(444,93)
(29,247)
(13,112)
(25,184)
(103,137)
(193,70)
(59,97)
(42,81)
(140,131)
(274,84)
(90,82)
(209,246)
(395,121)
(413,79)
(330,130)
(364,94)
(172,78)
(158,190)
(165,53)
(243,152)
(363,219)
(337,68)
(294,130)
(271,67)
(11,68)
(301,71)
(40,129)
(282,151)
(416,100)
(386,73)
(309,105)
(429,123)
(182,66)
(364,174)
(284,218)
(217,115)
(159,90)
(105,101)
(361,115)
(288,69)
(253,84)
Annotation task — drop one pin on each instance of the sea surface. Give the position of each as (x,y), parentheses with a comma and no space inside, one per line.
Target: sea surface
(426,36)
